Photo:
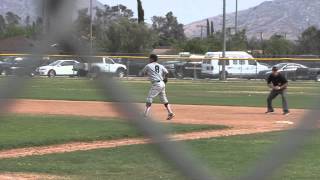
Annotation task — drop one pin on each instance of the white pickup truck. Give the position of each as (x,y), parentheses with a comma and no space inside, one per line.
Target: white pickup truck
(101,65)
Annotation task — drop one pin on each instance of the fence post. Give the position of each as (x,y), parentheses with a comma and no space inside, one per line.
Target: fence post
(194,72)
(128,69)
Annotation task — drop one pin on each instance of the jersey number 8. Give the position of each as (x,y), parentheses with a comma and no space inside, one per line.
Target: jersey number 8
(157,69)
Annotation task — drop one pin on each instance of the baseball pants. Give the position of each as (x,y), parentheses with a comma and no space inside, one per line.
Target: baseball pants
(273,94)
(158,89)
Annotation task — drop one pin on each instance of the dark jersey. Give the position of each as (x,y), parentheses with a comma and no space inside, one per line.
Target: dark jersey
(278,80)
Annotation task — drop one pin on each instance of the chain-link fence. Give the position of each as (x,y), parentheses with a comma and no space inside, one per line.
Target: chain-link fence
(180,66)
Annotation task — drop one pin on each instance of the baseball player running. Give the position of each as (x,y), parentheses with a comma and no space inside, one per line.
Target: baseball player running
(278,84)
(158,76)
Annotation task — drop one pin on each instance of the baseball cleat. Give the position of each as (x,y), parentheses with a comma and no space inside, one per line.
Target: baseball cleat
(170,116)
(269,112)
(286,113)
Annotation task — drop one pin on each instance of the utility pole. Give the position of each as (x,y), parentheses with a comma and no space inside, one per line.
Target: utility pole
(201,27)
(285,35)
(261,37)
(223,72)
(91,27)
(236,18)
(119,9)
(45,16)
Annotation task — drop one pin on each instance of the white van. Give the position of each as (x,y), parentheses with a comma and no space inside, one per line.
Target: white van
(245,67)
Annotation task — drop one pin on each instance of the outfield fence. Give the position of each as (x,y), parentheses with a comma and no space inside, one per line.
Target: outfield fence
(199,66)
(176,153)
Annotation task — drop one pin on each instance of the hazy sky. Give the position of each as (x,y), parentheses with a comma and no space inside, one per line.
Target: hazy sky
(186,10)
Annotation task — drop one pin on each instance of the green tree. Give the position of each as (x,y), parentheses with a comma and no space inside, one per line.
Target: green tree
(34,30)
(254,44)
(278,45)
(170,31)
(106,16)
(2,25)
(12,31)
(126,36)
(27,21)
(116,30)
(201,46)
(140,12)
(82,23)
(238,41)
(212,28)
(114,12)
(208,28)
(12,19)
(309,41)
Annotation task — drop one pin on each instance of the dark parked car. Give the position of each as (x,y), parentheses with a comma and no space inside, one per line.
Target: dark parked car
(19,65)
(176,68)
(134,66)
(183,68)
(289,70)
(308,73)
(188,69)
(171,66)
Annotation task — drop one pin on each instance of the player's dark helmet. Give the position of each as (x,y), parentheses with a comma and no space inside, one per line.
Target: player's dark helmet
(275,68)
(153,57)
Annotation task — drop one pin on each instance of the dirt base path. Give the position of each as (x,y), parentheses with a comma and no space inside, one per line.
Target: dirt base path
(242,120)
(29,176)
(186,114)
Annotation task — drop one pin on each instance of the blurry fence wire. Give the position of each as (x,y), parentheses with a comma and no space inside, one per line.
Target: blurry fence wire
(287,147)
(60,31)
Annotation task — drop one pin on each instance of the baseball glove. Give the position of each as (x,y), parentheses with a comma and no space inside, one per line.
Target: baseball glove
(165,80)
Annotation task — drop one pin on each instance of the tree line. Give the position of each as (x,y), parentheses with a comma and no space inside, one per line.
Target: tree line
(308,43)
(11,25)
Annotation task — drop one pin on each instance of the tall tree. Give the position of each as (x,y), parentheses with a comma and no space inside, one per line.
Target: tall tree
(309,42)
(238,41)
(126,36)
(212,28)
(106,16)
(169,29)
(12,19)
(278,45)
(140,12)
(82,23)
(2,24)
(208,28)
(201,46)
(27,21)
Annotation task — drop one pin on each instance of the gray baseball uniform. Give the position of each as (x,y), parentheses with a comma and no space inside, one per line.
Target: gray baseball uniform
(156,73)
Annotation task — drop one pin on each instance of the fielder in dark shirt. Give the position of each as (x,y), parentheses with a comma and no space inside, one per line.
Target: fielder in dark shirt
(277,80)
(278,84)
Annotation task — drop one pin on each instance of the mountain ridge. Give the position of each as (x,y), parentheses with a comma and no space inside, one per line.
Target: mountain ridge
(24,8)
(285,17)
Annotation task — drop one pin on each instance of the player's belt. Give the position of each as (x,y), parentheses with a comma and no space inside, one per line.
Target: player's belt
(155,82)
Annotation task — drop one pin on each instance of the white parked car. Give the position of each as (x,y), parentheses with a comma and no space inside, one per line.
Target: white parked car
(245,67)
(58,68)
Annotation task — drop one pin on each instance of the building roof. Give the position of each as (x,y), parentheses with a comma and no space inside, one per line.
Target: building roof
(19,44)
(164,50)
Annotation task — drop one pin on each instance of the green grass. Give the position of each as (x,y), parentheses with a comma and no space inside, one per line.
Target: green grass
(25,131)
(230,156)
(233,93)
